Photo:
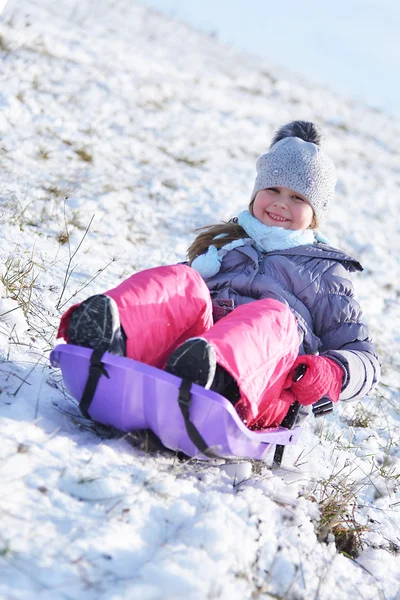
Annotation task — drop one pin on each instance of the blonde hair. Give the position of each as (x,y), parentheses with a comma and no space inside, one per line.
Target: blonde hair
(220,234)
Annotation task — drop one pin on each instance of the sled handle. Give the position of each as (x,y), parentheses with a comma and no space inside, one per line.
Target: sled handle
(287,422)
(290,419)
(322,407)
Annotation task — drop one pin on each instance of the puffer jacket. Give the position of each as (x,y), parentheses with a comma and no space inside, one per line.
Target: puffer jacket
(313,280)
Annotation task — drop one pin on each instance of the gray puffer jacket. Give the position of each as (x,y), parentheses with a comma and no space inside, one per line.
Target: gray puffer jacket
(314,282)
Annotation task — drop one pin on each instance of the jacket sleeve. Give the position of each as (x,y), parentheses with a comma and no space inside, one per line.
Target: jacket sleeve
(345,338)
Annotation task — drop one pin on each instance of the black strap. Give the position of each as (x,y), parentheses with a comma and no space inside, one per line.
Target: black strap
(184,400)
(288,422)
(96,370)
(322,407)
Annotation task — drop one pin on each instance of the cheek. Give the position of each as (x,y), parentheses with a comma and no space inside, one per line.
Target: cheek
(260,203)
(261,197)
(305,214)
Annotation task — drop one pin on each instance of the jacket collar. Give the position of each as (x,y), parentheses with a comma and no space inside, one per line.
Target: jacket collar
(317,250)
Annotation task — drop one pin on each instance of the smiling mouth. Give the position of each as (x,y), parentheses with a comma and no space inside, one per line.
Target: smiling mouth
(276,217)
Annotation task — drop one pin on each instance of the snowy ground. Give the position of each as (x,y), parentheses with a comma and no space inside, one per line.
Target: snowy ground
(110,111)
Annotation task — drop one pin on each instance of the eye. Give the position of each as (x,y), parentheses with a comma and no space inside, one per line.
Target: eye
(275,190)
(299,199)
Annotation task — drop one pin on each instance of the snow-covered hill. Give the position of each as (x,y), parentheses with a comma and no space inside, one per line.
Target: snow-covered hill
(122,131)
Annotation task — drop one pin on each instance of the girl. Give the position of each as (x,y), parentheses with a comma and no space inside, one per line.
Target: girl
(260,296)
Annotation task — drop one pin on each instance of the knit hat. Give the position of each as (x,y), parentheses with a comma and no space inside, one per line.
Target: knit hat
(301,166)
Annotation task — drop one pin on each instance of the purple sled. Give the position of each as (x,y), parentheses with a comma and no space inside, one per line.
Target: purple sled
(137,396)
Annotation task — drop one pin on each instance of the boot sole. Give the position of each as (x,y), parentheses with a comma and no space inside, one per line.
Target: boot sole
(194,360)
(93,324)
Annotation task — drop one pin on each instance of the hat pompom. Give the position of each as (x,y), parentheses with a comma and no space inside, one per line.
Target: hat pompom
(305,130)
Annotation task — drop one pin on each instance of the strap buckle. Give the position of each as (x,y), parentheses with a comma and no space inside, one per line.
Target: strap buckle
(322,407)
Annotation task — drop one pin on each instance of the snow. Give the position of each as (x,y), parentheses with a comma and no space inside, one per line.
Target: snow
(110,111)
(350,46)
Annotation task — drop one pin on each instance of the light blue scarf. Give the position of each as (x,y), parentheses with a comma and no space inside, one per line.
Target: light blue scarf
(266,239)
(273,238)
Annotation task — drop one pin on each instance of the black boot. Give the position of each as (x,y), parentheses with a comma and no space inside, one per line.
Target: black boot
(195,360)
(225,385)
(95,324)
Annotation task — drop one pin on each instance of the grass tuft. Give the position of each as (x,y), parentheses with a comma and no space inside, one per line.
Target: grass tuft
(84,155)
(362,418)
(337,505)
(55,191)
(19,279)
(348,539)
(4,46)
(43,154)
(5,550)
(63,238)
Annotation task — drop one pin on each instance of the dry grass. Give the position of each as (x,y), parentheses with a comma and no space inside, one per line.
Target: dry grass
(19,278)
(4,46)
(362,418)
(336,498)
(84,155)
(338,519)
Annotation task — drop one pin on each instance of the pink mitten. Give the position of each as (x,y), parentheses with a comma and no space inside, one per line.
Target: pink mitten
(322,377)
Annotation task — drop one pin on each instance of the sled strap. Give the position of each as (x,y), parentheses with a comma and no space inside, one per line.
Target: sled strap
(96,370)
(184,401)
(289,422)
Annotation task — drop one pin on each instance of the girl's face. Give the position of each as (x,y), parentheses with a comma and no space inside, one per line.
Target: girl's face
(282,207)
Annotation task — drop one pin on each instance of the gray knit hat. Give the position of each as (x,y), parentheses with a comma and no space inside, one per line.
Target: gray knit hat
(301,166)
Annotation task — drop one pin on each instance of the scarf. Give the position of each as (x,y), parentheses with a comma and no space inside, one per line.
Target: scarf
(269,238)
(263,237)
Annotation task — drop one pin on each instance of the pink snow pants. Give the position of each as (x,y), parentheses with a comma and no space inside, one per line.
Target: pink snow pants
(257,343)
